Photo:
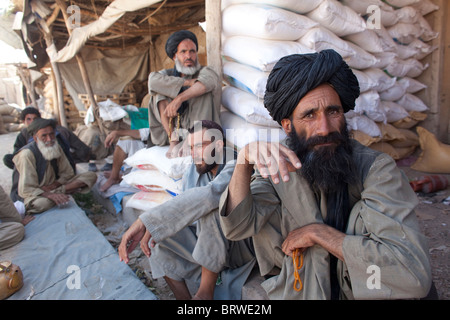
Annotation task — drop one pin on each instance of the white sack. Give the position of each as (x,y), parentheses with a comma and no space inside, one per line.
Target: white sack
(367,40)
(365,82)
(394,93)
(155,158)
(248,106)
(246,78)
(263,21)
(393,111)
(240,133)
(422,49)
(385,38)
(384,59)
(401,3)
(408,14)
(368,103)
(362,59)
(146,200)
(152,180)
(405,33)
(384,81)
(360,6)
(362,123)
(320,38)
(427,32)
(388,17)
(291,5)
(412,103)
(417,68)
(262,54)
(405,51)
(338,18)
(110,111)
(411,85)
(425,7)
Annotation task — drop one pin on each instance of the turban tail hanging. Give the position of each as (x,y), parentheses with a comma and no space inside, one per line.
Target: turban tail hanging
(295,75)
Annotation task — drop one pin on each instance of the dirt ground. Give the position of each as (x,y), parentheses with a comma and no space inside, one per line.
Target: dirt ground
(433,214)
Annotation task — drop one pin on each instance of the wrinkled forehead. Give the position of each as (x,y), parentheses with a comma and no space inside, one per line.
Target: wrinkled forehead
(45,131)
(322,96)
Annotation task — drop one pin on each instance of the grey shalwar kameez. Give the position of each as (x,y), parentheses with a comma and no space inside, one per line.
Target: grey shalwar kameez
(188,235)
(382,232)
(165,85)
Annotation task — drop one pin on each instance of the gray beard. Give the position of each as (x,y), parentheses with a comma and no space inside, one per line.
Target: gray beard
(49,153)
(187,70)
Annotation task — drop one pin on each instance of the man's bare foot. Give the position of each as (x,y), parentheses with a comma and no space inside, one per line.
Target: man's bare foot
(110,182)
(173,150)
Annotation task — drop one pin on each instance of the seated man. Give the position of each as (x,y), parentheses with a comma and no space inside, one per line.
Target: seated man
(46,176)
(188,251)
(340,223)
(179,96)
(79,151)
(12,224)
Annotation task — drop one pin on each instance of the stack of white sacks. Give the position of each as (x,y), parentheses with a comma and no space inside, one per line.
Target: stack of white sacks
(157,177)
(382,43)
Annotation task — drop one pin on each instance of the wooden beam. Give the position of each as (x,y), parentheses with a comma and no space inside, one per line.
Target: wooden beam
(84,74)
(213,15)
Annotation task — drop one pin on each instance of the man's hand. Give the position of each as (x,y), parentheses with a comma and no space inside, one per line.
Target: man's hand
(317,233)
(112,137)
(271,159)
(60,199)
(27,219)
(51,187)
(130,239)
(171,110)
(144,244)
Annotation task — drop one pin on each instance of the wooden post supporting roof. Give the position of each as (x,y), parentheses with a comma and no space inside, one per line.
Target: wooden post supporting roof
(61,4)
(213,15)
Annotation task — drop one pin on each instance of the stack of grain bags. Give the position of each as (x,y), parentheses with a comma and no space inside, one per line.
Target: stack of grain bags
(9,118)
(383,46)
(157,177)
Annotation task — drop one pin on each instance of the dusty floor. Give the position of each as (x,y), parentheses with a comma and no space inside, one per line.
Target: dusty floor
(433,213)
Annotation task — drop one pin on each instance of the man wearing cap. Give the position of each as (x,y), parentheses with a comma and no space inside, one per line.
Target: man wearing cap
(46,176)
(181,95)
(330,218)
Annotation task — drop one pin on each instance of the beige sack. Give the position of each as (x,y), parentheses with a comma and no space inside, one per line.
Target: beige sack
(435,156)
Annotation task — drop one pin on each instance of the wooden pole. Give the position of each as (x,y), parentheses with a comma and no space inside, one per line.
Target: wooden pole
(58,82)
(61,4)
(213,16)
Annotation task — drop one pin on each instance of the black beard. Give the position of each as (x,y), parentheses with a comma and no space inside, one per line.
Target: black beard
(201,169)
(328,167)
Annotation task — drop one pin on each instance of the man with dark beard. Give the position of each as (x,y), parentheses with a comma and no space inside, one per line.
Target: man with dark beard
(46,176)
(190,245)
(340,223)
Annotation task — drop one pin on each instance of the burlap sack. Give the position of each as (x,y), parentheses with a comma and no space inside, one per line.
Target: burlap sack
(435,156)
(364,138)
(386,148)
